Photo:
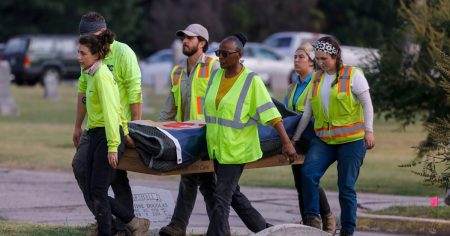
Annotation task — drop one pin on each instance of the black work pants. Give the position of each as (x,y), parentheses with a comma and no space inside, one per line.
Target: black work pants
(99,176)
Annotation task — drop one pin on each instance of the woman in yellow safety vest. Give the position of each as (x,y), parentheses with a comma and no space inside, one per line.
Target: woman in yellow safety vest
(106,130)
(235,101)
(295,99)
(340,102)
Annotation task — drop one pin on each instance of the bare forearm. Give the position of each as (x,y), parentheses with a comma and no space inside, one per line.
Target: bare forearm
(136,111)
(282,132)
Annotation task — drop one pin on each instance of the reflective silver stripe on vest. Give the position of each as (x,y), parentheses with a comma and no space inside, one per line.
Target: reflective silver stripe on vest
(203,68)
(344,80)
(210,119)
(211,78)
(340,131)
(264,107)
(235,123)
(241,99)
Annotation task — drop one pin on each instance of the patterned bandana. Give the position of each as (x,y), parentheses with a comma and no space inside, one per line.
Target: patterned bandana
(323,46)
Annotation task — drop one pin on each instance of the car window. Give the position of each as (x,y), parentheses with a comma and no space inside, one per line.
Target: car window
(265,53)
(66,46)
(16,45)
(41,46)
(281,42)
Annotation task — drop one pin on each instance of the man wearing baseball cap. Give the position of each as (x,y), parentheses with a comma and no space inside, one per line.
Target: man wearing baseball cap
(189,81)
(122,62)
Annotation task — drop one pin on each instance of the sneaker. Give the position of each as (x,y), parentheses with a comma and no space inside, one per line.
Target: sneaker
(139,226)
(329,223)
(172,230)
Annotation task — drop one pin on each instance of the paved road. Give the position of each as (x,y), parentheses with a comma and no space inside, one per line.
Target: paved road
(54,198)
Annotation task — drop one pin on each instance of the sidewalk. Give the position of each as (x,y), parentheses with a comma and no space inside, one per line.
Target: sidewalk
(54,198)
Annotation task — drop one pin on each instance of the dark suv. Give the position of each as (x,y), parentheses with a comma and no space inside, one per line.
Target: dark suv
(32,57)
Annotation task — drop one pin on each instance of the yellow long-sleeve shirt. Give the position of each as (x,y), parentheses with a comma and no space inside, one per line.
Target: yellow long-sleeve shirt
(103,106)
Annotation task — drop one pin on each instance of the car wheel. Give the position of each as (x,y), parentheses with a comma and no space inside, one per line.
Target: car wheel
(19,82)
(50,75)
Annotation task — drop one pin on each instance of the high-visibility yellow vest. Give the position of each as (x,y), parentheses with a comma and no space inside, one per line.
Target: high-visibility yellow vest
(301,101)
(345,120)
(231,127)
(198,88)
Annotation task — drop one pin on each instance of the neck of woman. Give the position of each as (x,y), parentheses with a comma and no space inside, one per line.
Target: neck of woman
(304,74)
(233,71)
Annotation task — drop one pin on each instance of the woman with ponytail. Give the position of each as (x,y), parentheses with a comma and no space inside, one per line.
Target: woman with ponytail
(106,130)
(235,102)
(340,102)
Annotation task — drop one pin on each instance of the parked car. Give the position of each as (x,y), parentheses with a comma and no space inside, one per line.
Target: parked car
(157,67)
(275,69)
(287,42)
(32,57)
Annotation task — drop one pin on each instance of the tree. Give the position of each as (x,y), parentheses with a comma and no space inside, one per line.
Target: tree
(414,82)
(407,86)
(359,23)
(436,155)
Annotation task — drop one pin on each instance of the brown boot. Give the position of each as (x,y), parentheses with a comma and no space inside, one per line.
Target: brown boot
(172,230)
(313,221)
(139,226)
(329,223)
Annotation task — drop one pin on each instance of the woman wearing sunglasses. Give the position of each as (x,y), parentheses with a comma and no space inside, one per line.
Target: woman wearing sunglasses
(295,99)
(235,101)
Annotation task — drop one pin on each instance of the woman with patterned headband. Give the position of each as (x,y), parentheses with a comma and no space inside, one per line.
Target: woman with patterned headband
(340,102)
(305,65)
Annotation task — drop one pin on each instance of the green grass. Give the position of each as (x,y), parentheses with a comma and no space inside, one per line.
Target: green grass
(20,229)
(441,212)
(41,138)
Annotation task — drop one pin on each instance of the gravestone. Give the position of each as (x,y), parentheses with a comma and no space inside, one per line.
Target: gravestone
(152,203)
(7,103)
(292,230)
(51,84)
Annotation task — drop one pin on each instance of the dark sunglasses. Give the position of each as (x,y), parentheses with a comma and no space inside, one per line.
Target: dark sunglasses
(224,54)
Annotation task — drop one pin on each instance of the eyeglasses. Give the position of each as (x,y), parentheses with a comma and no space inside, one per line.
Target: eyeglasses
(224,54)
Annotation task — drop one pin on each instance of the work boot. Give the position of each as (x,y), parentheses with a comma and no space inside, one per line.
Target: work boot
(329,223)
(139,226)
(172,230)
(344,233)
(313,221)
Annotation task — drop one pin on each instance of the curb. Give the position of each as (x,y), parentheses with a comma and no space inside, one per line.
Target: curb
(402,225)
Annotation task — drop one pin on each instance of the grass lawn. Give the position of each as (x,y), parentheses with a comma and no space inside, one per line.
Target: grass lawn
(441,212)
(41,138)
(19,229)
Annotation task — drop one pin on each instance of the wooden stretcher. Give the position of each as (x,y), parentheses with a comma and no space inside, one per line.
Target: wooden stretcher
(130,161)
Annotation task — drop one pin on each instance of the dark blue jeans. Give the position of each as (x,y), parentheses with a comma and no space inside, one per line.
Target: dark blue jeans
(120,183)
(319,157)
(99,177)
(187,194)
(228,194)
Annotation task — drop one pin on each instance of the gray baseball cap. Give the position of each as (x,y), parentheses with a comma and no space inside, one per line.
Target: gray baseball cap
(194,30)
